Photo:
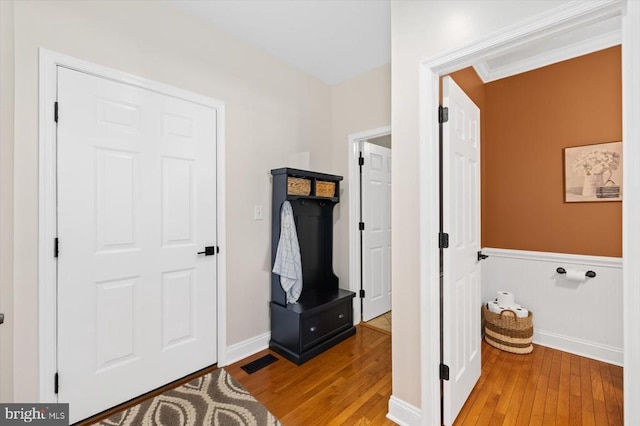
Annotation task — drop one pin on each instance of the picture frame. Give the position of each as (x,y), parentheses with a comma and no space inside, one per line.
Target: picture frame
(593,173)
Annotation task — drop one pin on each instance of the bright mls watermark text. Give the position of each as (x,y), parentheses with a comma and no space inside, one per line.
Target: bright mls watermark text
(34,414)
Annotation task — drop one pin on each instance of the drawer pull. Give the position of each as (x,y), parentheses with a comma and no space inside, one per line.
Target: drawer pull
(341,316)
(313,329)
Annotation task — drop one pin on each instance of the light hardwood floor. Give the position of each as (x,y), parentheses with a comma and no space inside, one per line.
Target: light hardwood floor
(546,387)
(350,384)
(383,322)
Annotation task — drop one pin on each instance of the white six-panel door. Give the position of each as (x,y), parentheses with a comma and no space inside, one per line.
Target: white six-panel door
(461,204)
(376,238)
(136,203)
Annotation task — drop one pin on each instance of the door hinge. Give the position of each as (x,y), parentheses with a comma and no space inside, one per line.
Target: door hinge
(55,112)
(444,240)
(361,293)
(56,247)
(443,114)
(56,383)
(444,372)
(361,160)
(361,226)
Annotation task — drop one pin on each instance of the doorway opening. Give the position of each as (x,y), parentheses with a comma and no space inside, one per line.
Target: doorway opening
(369,223)
(563,22)
(509,107)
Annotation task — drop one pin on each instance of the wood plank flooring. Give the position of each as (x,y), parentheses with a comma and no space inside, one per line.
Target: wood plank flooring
(350,384)
(383,322)
(547,387)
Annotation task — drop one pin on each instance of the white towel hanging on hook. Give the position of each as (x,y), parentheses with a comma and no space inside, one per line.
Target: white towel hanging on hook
(288,263)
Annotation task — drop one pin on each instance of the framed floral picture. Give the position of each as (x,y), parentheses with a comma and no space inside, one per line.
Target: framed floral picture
(593,173)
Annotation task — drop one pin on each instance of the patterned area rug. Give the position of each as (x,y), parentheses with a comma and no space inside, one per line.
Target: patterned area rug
(213,399)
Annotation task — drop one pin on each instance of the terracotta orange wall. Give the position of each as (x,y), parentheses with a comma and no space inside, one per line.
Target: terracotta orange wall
(528,120)
(470,82)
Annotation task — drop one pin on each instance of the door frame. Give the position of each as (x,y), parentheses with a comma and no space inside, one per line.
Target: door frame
(47,202)
(558,20)
(354,210)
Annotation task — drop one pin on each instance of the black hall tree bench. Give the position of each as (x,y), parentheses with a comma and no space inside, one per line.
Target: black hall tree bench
(323,315)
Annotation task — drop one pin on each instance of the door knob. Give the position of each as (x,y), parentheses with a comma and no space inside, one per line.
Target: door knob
(482,256)
(1,318)
(208,251)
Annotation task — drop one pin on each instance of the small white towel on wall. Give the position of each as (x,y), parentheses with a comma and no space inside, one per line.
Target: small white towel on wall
(288,263)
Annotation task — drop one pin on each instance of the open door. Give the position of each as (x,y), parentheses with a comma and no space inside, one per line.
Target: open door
(376,235)
(461,220)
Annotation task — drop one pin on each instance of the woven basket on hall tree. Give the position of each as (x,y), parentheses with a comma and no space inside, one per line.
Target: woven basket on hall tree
(325,189)
(507,332)
(298,186)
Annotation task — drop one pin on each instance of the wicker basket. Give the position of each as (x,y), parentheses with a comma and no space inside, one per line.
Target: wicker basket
(507,332)
(298,186)
(325,189)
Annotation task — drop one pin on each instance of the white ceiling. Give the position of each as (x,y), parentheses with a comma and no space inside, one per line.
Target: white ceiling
(336,40)
(333,40)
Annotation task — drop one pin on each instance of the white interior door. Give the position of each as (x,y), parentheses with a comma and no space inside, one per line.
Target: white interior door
(461,204)
(376,237)
(136,203)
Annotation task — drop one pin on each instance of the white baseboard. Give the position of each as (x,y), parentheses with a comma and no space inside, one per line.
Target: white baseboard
(247,348)
(580,347)
(403,413)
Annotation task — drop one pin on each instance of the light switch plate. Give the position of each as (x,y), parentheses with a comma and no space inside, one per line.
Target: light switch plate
(257,212)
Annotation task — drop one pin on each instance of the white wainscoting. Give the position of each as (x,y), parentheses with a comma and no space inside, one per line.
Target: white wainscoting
(581,318)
